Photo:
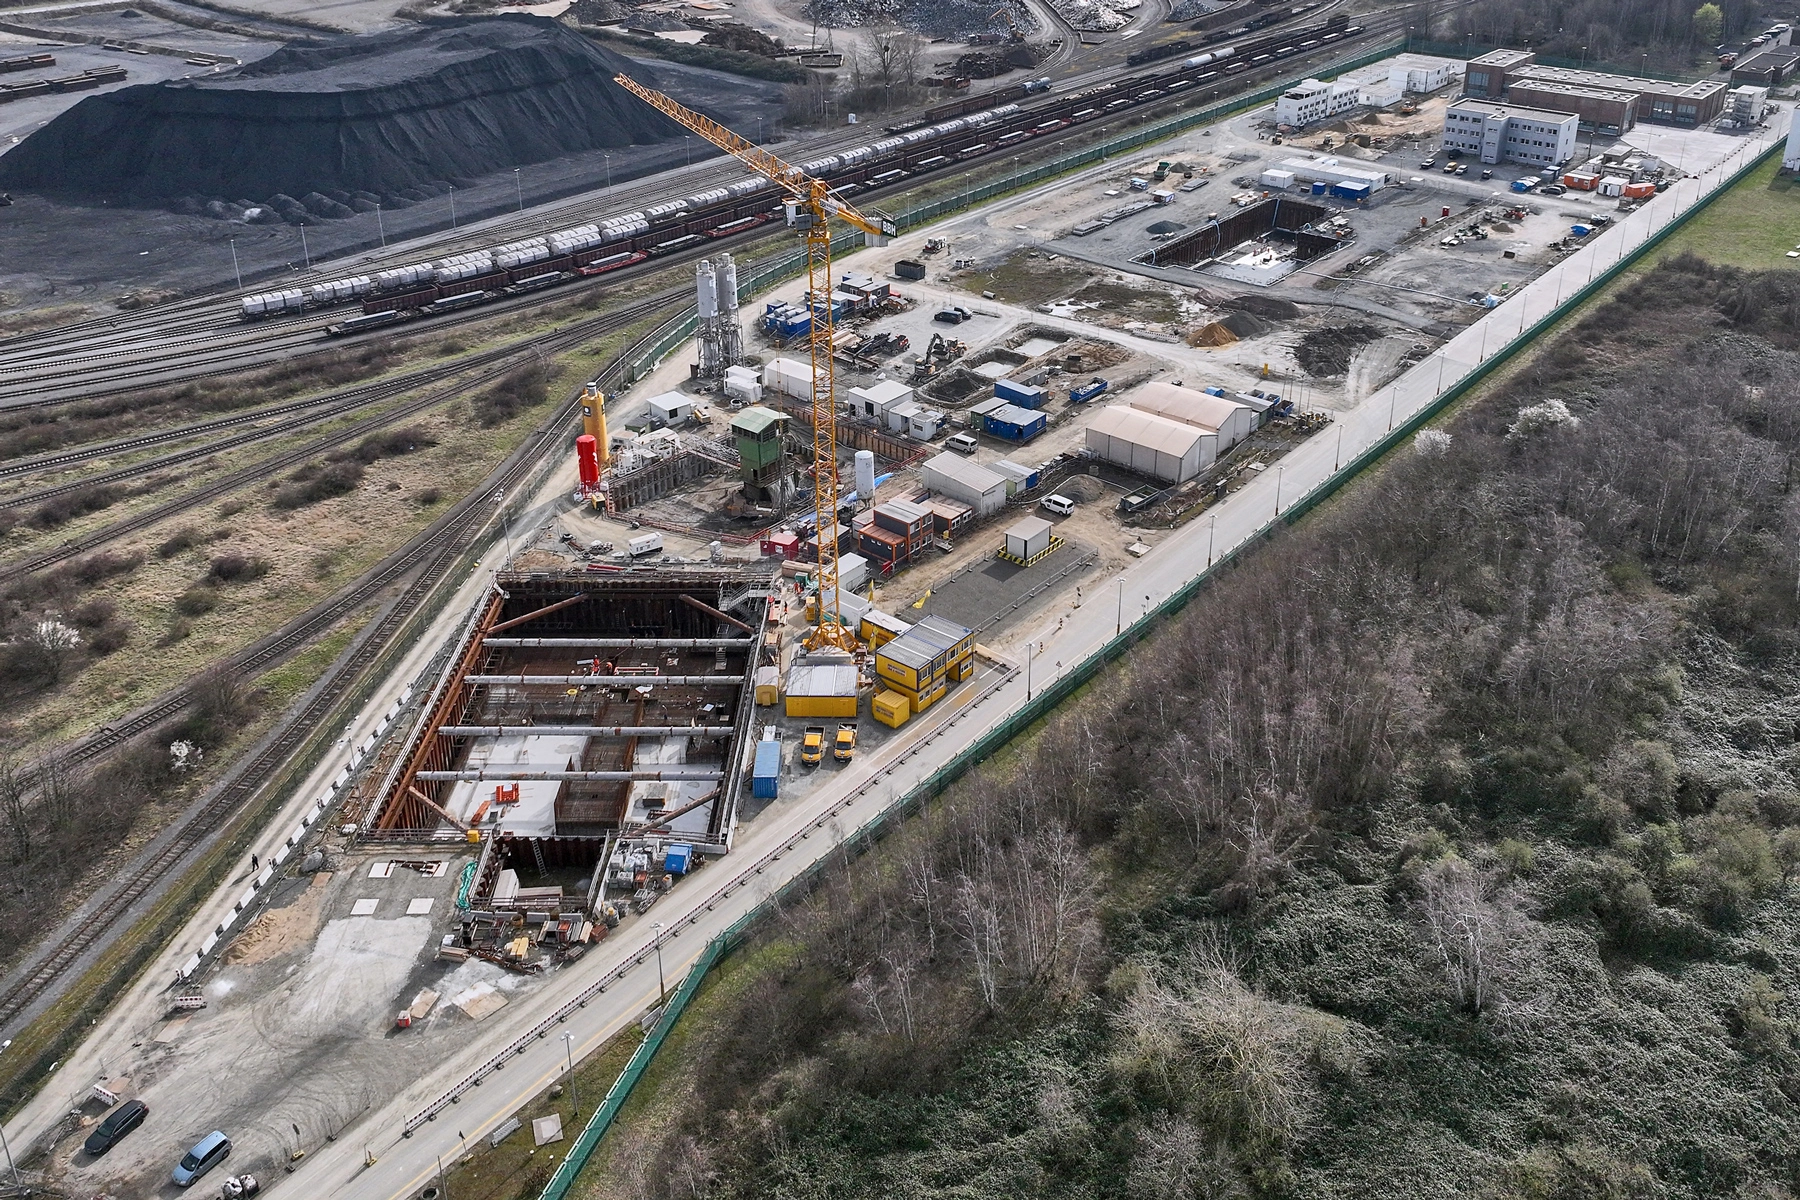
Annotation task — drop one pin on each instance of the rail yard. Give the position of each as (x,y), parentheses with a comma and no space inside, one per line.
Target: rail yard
(815,538)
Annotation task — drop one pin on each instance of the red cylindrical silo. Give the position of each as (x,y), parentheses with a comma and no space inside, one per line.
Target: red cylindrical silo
(587,458)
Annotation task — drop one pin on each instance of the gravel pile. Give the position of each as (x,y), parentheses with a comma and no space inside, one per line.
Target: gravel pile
(933,18)
(320,132)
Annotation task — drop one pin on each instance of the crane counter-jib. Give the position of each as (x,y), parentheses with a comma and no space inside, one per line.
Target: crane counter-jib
(811,207)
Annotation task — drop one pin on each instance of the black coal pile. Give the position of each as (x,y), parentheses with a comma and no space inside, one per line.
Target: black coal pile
(1329,351)
(314,132)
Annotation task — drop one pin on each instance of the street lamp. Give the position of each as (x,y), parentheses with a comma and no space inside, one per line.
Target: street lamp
(304,252)
(1120,625)
(1029,647)
(381,226)
(453,206)
(608,159)
(574,1100)
(1212,529)
(234,265)
(519,187)
(662,991)
(1278,471)
(687,148)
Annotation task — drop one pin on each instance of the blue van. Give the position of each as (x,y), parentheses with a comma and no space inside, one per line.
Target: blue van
(207,1153)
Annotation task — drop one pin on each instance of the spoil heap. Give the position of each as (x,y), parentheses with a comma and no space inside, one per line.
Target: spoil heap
(382,115)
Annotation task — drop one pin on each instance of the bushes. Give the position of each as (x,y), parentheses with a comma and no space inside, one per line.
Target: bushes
(237,568)
(60,510)
(318,481)
(524,387)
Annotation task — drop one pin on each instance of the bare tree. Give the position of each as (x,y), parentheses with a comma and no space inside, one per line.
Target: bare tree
(1478,929)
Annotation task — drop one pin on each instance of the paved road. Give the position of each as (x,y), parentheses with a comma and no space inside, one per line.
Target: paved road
(729,888)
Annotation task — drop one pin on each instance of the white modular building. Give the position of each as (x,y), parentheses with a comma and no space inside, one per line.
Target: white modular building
(1498,132)
(1423,73)
(970,483)
(1167,450)
(879,398)
(1313,100)
(1331,169)
(1231,420)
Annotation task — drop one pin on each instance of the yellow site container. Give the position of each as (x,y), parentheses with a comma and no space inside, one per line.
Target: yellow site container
(925,697)
(879,628)
(962,668)
(768,685)
(822,690)
(907,663)
(821,706)
(891,708)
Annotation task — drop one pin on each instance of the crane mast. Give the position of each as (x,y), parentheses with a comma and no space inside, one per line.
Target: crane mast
(811,202)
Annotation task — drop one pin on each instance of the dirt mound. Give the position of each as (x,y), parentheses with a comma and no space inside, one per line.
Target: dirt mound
(382,115)
(1082,488)
(1166,227)
(1263,306)
(1245,324)
(1328,351)
(1216,334)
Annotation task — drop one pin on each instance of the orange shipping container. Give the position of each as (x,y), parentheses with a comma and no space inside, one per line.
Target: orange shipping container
(1640,191)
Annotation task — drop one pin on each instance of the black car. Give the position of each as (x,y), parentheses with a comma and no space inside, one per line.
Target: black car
(119,1122)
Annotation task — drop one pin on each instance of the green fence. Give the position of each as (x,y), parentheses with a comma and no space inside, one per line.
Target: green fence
(1063,686)
(620,1091)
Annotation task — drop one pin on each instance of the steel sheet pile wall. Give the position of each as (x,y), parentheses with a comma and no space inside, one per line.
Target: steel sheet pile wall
(1278,215)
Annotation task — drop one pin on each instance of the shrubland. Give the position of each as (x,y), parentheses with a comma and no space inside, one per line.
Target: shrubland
(1444,848)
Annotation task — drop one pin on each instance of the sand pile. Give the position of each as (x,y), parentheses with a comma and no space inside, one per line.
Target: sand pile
(1215,334)
(389,116)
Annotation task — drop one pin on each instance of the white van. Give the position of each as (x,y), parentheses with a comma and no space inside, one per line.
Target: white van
(962,443)
(1062,506)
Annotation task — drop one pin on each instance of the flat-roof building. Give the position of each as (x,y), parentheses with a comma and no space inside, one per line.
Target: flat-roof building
(1314,100)
(1498,132)
(1768,67)
(1486,75)
(950,474)
(1606,109)
(1596,97)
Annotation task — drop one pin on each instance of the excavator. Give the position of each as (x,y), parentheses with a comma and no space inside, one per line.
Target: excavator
(811,207)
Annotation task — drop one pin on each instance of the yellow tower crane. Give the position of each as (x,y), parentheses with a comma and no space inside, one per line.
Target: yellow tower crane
(811,202)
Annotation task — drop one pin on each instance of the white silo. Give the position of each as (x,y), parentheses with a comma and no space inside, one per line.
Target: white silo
(865,476)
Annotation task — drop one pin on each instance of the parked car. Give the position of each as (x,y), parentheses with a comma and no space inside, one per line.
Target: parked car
(1062,506)
(115,1125)
(1462,168)
(1428,164)
(207,1153)
(1553,189)
(952,316)
(1486,173)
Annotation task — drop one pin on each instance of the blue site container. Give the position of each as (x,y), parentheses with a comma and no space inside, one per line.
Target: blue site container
(1351,191)
(765,778)
(678,858)
(1521,185)
(1014,422)
(1087,391)
(1214,390)
(1318,188)
(1022,394)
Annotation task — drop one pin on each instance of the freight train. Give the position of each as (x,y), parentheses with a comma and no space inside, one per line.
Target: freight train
(615,242)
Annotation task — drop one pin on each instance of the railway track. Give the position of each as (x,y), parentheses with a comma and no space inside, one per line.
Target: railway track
(420,566)
(310,411)
(499,365)
(31,361)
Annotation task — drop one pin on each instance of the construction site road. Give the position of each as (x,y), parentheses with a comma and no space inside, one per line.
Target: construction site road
(374,1158)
